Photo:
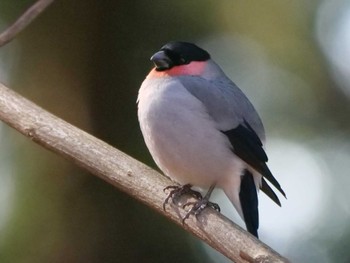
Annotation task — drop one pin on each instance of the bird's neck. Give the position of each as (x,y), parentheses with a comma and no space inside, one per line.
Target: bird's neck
(195,68)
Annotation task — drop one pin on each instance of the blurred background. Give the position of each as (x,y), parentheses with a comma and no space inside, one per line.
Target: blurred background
(84,61)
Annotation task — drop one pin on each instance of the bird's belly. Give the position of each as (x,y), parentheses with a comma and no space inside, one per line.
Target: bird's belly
(183,139)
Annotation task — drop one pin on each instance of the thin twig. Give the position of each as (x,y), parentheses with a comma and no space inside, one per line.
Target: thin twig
(127,174)
(25,19)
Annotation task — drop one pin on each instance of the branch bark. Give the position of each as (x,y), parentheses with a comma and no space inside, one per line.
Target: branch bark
(128,175)
(24,20)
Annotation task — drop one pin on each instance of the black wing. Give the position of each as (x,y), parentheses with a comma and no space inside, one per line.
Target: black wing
(248,146)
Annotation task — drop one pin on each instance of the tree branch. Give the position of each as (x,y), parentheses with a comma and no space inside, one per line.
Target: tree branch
(128,175)
(25,19)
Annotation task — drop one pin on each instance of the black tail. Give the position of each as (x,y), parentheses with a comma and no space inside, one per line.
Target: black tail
(249,202)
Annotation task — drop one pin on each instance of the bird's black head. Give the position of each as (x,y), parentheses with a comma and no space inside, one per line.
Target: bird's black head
(178,53)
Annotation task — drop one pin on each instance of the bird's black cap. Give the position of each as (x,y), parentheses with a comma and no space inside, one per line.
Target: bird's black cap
(177,53)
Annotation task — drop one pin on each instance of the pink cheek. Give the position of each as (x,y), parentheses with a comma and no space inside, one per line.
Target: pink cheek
(194,68)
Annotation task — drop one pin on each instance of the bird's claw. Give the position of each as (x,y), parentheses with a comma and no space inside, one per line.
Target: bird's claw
(177,191)
(198,207)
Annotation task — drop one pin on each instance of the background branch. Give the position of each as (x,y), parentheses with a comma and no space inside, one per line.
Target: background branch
(25,19)
(128,175)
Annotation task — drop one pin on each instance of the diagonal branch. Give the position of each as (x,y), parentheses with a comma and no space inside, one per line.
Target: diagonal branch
(128,175)
(25,19)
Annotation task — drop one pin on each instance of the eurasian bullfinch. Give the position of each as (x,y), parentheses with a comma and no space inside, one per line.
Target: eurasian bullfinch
(201,130)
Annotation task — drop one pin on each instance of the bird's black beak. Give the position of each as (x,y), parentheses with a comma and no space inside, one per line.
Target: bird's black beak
(162,61)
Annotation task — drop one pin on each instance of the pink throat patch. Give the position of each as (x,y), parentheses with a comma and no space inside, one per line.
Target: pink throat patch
(194,68)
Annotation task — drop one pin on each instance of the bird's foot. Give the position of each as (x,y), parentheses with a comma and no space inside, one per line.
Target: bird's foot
(177,191)
(198,207)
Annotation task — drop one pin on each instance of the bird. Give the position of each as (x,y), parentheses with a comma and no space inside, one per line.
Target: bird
(203,131)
